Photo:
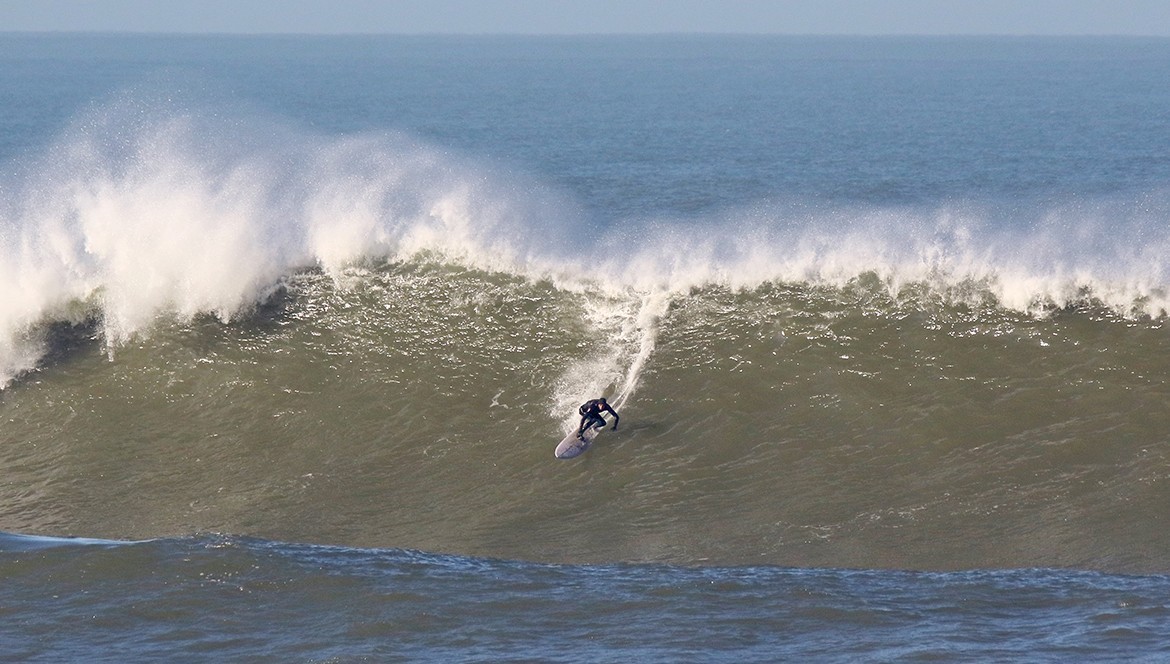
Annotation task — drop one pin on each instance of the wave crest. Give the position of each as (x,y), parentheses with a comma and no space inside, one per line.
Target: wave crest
(157,205)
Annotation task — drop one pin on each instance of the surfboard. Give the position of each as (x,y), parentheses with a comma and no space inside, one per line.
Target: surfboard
(571,446)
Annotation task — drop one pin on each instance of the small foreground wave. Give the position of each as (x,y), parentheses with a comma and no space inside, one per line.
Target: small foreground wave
(237,598)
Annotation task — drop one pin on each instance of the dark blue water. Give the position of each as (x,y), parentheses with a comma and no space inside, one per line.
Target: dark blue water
(675,125)
(235,598)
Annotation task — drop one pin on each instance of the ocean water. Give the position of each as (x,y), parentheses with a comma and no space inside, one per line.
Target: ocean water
(290,326)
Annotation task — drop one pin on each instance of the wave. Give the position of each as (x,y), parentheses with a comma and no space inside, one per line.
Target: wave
(158,204)
(145,207)
(416,405)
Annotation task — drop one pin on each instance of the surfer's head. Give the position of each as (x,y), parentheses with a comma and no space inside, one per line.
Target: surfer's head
(602,400)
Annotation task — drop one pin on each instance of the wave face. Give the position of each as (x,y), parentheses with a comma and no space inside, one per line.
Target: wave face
(418,403)
(834,347)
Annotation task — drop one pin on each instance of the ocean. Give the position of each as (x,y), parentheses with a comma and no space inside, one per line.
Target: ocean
(290,326)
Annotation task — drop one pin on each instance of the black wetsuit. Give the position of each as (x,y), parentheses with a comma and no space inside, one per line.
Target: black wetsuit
(591,415)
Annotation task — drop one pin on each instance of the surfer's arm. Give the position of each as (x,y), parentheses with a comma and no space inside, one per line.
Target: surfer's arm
(613,412)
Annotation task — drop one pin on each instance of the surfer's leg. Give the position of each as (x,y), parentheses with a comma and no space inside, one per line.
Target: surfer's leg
(588,423)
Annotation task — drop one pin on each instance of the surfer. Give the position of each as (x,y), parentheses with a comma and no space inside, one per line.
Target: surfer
(591,416)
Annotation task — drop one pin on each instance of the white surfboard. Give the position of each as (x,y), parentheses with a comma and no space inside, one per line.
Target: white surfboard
(572,446)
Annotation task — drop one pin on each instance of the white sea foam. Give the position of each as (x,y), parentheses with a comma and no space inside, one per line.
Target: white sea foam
(141,211)
(1028,260)
(144,210)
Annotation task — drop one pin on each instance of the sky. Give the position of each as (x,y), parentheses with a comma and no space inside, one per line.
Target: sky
(822,17)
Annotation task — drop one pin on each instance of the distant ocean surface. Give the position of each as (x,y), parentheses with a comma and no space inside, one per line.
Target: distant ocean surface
(290,326)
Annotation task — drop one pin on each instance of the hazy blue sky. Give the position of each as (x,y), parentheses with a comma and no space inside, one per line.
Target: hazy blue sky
(1007,17)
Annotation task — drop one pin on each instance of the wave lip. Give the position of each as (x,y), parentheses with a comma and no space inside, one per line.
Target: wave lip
(18,543)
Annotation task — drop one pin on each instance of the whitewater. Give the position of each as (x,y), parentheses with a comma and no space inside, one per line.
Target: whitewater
(145,209)
(298,322)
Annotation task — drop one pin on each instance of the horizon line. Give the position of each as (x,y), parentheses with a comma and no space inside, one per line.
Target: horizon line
(663,33)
